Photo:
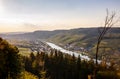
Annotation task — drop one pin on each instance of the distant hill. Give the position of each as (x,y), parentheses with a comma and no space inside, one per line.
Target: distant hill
(85,37)
(13,33)
(31,35)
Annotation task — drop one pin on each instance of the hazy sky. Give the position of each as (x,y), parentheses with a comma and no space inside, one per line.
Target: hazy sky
(30,15)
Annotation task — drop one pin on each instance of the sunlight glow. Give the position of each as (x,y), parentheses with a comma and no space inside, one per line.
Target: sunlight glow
(52,15)
(1,9)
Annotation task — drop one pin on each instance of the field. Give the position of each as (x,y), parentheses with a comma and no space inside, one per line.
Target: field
(24,51)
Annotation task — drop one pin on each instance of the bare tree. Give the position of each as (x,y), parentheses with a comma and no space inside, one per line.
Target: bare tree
(110,20)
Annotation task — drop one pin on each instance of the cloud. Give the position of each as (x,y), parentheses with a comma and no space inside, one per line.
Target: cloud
(29,25)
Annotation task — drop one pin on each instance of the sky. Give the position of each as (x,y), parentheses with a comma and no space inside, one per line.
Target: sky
(31,15)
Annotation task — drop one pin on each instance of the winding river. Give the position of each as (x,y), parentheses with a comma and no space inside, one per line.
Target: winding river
(83,57)
(67,51)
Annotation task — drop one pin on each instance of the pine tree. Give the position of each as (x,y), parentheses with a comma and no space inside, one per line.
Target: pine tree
(32,57)
(78,67)
(10,62)
(43,74)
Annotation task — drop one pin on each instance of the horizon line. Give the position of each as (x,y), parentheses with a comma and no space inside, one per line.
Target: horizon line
(54,29)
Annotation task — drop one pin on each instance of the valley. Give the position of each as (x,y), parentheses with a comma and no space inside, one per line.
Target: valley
(81,40)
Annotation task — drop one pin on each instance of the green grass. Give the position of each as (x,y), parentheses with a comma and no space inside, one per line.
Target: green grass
(28,75)
(24,51)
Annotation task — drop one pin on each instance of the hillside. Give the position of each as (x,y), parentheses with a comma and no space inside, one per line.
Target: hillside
(32,35)
(86,37)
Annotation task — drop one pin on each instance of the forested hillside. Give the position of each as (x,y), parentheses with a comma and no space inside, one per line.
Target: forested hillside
(58,65)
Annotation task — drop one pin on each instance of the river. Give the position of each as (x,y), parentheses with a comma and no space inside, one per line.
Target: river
(54,46)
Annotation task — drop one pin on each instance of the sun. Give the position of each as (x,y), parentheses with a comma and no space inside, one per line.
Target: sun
(1,8)
(2,13)
(5,16)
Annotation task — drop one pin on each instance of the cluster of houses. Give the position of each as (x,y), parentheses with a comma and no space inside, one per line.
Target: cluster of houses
(34,46)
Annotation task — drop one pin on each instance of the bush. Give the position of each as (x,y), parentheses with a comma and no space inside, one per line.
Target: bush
(106,75)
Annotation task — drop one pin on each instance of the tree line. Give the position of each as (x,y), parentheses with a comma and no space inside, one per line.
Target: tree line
(58,65)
